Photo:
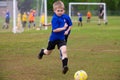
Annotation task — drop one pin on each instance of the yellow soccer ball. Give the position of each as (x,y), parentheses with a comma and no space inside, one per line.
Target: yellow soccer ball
(80,75)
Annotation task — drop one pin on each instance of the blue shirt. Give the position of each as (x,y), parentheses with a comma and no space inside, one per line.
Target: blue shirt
(68,21)
(7,16)
(57,22)
(80,17)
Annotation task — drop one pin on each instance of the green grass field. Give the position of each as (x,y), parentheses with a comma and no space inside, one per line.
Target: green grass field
(93,48)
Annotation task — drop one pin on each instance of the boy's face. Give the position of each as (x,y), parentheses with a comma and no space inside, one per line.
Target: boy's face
(59,11)
(78,13)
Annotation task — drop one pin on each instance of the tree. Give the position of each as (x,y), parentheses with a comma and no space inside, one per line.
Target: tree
(28,4)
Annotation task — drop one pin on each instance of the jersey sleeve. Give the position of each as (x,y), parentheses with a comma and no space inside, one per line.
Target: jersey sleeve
(68,20)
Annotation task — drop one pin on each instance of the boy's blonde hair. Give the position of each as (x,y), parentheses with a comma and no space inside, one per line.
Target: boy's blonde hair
(58,4)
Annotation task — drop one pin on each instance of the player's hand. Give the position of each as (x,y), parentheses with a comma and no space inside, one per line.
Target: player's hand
(66,33)
(43,24)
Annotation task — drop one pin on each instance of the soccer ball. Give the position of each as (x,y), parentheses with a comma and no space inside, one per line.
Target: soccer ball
(80,75)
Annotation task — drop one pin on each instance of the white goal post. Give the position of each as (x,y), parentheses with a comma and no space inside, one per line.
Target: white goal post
(15,14)
(87,3)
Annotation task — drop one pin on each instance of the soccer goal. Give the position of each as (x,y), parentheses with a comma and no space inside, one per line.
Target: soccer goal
(36,8)
(83,8)
(43,13)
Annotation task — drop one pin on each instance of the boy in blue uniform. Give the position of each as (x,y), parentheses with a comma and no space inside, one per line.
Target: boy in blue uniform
(68,21)
(57,35)
(7,20)
(79,19)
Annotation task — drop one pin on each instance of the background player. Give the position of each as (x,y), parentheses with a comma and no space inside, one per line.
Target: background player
(101,15)
(7,20)
(79,19)
(88,16)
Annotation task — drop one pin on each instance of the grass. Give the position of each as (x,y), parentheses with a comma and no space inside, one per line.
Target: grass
(93,48)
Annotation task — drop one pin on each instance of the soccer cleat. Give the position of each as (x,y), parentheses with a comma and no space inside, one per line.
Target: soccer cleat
(65,69)
(40,55)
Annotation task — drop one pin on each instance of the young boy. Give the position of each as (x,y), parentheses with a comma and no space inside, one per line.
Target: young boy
(7,20)
(88,16)
(79,19)
(31,18)
(57,35)
(24,19)
(68,21)
(42,20)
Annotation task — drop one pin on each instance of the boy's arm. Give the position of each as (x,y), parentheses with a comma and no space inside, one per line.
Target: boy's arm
(49,24)
(102,12)
(69,22)
(67,31)
(60,29)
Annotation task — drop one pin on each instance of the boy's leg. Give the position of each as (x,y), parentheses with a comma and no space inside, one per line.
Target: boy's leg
(4,25)
(65,67)
(81,24)
(7,26)
(34,23)
(66,38)
(100,19)
(29,24)
(51,46)
(64,59)
(44,52)
(23,24)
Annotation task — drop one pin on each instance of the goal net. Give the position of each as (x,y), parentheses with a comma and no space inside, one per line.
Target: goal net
(83,8)
(31,14)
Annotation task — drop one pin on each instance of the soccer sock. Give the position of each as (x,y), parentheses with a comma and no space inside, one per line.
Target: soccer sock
(65,61)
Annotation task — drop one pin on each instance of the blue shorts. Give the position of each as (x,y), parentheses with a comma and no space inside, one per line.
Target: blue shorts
(80,19)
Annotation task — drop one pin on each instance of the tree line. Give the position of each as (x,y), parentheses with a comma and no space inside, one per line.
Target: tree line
(113,5)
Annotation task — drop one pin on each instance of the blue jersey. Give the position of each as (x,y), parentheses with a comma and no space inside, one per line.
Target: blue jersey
(57,22)
(80,17)
(7,16)
(68,21)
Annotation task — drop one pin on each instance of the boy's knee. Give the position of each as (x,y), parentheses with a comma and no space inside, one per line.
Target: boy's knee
(63,49)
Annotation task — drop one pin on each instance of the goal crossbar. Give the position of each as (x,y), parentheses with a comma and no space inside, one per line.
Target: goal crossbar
(86,3)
